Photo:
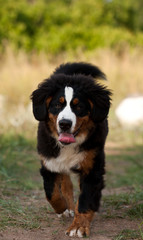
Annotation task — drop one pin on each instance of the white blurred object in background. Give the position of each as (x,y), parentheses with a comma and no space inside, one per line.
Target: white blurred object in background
(130,111)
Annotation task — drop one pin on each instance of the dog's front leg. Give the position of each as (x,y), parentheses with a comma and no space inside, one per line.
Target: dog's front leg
(59,192)
(88,203)
(52,187)
(80,226)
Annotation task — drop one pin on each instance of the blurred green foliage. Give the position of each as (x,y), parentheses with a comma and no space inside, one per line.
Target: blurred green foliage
(54,26)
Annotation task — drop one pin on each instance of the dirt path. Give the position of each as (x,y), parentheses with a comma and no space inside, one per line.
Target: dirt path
(53,228)
(101,229)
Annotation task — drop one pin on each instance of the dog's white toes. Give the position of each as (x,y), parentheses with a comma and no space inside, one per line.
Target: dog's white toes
(76,231)
(71,213)
(79,234)
(66,213)
(72,233)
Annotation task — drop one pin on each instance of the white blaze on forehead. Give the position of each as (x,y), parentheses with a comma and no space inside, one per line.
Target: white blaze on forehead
(68,94)
(67,111)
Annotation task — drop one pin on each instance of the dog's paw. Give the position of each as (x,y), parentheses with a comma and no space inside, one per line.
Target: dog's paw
(66,213)
(78,232)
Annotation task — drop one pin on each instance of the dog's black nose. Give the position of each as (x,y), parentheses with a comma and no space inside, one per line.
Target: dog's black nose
(65,124)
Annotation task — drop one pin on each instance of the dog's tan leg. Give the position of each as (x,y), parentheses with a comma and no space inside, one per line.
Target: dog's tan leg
(80,226)
(57,200)
(67,192)
(52,187)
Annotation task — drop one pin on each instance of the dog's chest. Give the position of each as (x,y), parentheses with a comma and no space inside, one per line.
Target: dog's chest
(68,158)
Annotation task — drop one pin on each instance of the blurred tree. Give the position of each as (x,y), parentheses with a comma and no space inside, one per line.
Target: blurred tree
(125,13)
(54,26)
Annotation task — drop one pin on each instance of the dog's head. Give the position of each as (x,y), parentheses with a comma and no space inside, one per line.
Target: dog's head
(71,106)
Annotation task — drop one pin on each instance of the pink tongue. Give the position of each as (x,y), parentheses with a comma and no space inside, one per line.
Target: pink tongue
(66,138)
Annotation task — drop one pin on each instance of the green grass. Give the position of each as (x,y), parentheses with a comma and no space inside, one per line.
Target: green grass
(136,211)
(19,163)
(19,175)
(128,158)
(141,229)
(14,214)
(127,234)
(124,205)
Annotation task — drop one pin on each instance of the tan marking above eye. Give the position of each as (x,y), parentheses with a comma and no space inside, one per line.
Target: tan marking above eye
(75,101)
(62,100)
(91,104)
(48,101)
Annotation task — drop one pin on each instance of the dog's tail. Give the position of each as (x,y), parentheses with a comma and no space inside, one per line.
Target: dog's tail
(80,68)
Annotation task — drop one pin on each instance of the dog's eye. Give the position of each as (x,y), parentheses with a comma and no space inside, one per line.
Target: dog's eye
(77,107)
(58,106)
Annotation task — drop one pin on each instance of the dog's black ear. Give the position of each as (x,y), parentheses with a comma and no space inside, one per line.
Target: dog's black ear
(100,104)
(40,104)
(40,111)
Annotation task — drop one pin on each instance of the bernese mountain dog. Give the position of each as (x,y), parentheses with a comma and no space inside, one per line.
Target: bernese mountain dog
(72,108)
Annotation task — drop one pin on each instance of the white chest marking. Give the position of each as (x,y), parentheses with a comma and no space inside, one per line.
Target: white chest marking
(68,158)
(67,112)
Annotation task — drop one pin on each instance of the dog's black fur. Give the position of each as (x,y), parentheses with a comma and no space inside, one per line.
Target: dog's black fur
(82,78)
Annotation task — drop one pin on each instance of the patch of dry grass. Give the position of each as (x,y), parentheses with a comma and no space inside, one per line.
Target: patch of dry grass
(20,74)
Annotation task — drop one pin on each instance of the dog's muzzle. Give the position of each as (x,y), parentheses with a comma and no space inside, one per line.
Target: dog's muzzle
(65,136)
(65,125)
